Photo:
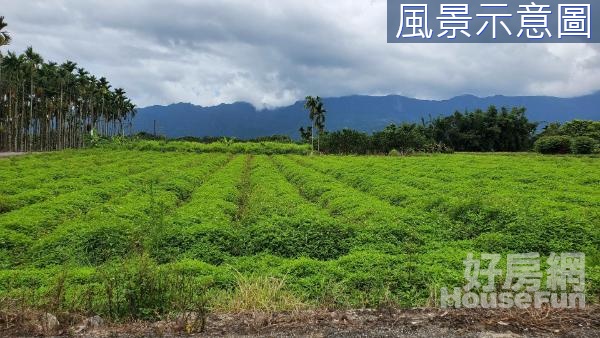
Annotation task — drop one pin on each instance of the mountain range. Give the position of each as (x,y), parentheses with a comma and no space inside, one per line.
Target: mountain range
(365,113)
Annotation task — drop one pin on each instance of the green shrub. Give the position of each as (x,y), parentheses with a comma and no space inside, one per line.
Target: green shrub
(394,152)
(553,145)
(100,243)
(289,237)
(214,244)
(584,145)
(94,243)
(475,217)
(13,245)
(135,288)
(5,204)
(438,148)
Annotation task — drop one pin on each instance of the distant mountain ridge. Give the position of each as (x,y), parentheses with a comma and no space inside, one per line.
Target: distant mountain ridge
(365,113)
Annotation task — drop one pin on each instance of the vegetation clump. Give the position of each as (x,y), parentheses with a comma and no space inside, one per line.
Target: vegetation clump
(493,130)
(553,145)
(584,145)
(130,234)
(577,136)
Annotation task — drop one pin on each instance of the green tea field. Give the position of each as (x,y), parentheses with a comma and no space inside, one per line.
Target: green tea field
(138,233)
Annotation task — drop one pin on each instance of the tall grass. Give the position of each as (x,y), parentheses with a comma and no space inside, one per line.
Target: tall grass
(263,294)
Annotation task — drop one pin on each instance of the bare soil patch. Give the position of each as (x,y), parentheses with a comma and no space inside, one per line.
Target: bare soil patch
(7,154)
(427,323)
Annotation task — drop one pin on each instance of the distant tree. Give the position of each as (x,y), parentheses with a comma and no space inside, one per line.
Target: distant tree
(33,61)
(4,35)
(577,128)
(573,128)
(551,129)
(553,145)
(316,113)
(310,104)
(346,141)
(578,136)
(272,138)
(491,130)
(305,134)
(4,41)
(320,122)
(403,137)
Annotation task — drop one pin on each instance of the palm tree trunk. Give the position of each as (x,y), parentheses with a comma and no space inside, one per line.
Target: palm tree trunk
(29,125)
(10,120)
(22,129)
(319,142)
(312,137)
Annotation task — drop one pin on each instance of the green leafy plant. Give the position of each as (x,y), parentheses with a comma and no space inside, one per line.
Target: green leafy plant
(553,145)
(132,235)
(584,145)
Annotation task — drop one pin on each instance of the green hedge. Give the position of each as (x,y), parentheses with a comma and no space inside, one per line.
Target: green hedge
(553,145)
(566,145)
(266,148)
(584,145)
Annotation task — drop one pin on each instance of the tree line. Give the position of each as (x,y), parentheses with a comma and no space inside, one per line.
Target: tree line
(49,106)
(577,136)
(492,130)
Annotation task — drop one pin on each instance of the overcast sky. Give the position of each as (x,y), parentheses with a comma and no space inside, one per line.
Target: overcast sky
(274,52)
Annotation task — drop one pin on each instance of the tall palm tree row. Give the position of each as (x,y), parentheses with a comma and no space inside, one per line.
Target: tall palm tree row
(4,41)
(46,106)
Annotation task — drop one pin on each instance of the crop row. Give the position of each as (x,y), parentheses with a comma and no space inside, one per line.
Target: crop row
(30,170)
(381,226)
(281,222)
(340,231)
(105,214)
(248,208)
(268,148)
(204,227)
(460,176)
(521,216)
(125,223)
(90,172)
(41,217)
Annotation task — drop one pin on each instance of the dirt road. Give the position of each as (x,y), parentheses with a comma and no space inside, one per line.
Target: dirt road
(10,154)
(419,323)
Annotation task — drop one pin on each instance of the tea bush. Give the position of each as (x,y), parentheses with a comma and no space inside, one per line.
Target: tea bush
(131,234)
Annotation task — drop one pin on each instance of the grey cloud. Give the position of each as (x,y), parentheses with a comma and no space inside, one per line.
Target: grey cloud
(273,52)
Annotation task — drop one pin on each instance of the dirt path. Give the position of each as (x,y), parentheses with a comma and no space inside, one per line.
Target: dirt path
(426,323)
(419,323)
(10,154)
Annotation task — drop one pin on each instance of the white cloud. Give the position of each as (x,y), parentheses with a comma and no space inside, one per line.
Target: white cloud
(273,52)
